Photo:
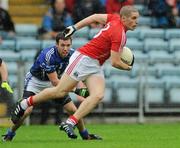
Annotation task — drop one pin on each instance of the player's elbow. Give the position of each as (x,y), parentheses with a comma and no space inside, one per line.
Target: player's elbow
(100,97)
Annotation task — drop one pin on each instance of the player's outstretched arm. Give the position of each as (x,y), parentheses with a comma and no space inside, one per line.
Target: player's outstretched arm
(95,18)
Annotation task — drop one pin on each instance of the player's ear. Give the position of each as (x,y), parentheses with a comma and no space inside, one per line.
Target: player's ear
(57,45)
(123,18)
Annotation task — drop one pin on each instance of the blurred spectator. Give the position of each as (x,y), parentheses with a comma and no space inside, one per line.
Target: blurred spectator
(70,5)
(103,2)
(114,6)
(178,6)
(55,20)
(164,11)
(84,8)
(173,5)
(4,4)
(7,30)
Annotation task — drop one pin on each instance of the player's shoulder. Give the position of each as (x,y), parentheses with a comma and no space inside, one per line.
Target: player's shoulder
(113,17)
(114,22)
(48,52)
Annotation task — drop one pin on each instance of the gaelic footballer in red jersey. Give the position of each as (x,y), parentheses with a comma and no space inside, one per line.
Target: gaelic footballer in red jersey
(115,39)
(86,64)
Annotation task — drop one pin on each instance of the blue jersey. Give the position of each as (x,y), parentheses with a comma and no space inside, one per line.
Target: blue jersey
(49,61)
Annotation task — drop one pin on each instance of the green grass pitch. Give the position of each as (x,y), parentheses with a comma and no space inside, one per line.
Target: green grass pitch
(114,136)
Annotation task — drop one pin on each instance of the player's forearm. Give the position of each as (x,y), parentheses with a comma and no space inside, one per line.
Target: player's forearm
(53,78)
(117,62)
(4,72)
(95,18)
(120,65)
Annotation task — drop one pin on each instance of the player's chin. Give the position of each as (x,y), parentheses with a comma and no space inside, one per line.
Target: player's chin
(65,54)
(133,28)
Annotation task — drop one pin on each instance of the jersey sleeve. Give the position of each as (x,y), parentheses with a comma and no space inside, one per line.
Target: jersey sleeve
(111,17)
(118,40)
(46,63)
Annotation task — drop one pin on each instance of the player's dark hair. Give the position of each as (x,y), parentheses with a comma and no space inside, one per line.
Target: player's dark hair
(60,36)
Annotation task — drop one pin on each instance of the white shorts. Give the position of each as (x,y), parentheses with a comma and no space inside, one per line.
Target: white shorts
(81,67)
(35,85)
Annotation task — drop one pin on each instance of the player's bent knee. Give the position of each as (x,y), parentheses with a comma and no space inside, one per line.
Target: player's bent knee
(55,93)
(59,93)
(99,96)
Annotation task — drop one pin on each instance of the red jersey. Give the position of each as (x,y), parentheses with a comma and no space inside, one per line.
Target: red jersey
(111,37)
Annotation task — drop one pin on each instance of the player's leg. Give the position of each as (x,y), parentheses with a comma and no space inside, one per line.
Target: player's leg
(66,85)
(11,132)
(96,87)
(71,108)
(90,70)
(26,114)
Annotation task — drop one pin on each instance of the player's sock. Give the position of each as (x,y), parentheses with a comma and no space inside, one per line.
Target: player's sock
(26,102)
(72,120)
(84,134)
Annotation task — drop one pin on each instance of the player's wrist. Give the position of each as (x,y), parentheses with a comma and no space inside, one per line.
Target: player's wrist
(74,27)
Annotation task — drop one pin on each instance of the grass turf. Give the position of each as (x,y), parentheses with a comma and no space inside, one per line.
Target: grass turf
(114,136)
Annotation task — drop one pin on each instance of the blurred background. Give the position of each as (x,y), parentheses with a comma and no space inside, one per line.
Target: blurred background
(150,92)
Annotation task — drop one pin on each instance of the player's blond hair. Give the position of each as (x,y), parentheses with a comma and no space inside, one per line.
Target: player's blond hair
(127,10)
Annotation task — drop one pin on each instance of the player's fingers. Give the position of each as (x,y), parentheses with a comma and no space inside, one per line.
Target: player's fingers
(66,32)
(10,90)
(129,67)
(69,31)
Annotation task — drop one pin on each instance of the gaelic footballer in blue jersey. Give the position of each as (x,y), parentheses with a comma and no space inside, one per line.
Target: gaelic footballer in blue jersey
(45,72)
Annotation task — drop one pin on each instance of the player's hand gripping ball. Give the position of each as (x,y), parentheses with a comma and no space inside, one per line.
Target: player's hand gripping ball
(127,56)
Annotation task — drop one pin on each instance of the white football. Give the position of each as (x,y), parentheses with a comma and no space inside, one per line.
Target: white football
(127,56)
